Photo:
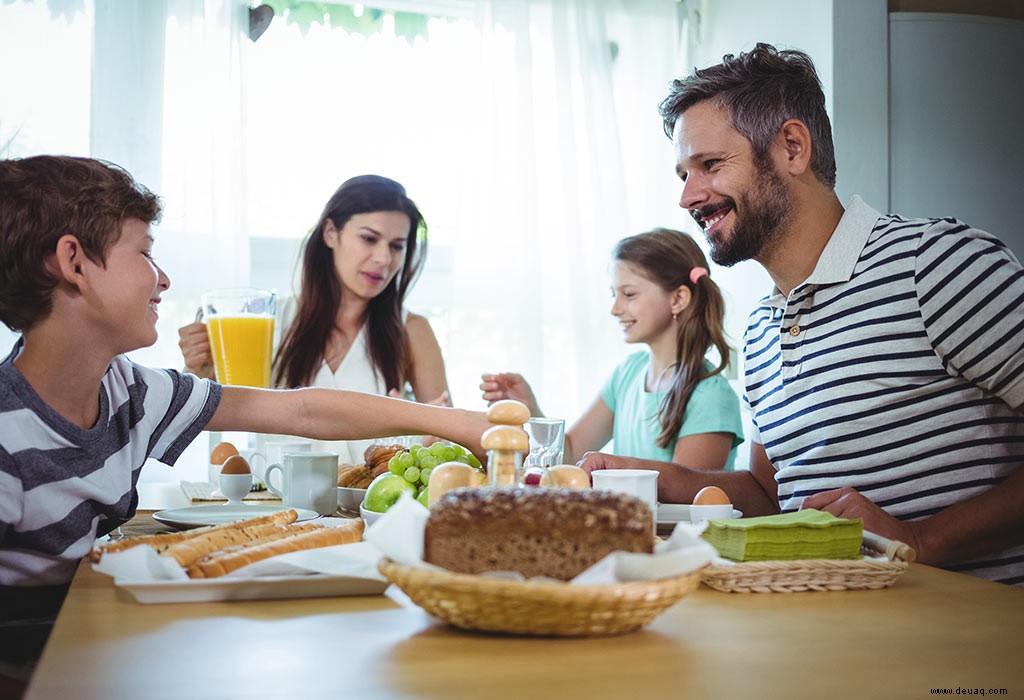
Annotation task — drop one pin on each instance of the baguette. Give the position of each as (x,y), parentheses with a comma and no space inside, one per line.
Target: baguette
(219,563)
(162,542)
(188,551)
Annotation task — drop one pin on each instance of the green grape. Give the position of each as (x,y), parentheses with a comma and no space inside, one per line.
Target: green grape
(395,464)
(407,459)
(473,461)
(425,475)
(450,453)
(438,449)
(412,475)
(463,458)
(429,461)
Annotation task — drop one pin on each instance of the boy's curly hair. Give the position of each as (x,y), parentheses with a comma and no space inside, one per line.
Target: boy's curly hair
(45,197)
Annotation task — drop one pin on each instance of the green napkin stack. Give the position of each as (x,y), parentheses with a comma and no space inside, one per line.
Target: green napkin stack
(805,534)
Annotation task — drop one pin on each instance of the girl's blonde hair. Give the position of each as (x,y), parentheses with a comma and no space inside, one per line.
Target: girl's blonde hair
(669,259)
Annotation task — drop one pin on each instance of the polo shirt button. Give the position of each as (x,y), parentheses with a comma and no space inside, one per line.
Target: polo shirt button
(794,331)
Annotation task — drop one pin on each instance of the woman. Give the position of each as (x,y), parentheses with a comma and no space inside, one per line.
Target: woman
(349,328)
(668,402)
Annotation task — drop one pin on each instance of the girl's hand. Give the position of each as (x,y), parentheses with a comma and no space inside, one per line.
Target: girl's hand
(507,385)
(595,461)
(195,348)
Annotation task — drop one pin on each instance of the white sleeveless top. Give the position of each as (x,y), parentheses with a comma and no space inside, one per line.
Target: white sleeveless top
(355,373)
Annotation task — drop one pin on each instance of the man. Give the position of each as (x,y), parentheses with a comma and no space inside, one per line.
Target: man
(884,372)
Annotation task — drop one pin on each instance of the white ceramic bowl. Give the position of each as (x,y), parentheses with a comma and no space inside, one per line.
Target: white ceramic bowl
(350,499)
(369,516)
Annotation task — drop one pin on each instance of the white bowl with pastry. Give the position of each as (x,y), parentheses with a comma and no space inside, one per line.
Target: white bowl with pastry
(350,499)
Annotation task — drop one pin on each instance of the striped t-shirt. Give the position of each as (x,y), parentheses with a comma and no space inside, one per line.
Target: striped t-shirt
(62,485)
(895,369)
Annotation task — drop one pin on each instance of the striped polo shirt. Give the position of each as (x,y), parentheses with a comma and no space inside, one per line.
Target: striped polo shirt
(61,485)
(895,369)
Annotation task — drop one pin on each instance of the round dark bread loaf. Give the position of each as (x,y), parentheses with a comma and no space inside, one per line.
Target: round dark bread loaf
(551,532)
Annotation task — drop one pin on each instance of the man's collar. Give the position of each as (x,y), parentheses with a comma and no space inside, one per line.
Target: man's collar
(840,255)
(839,258)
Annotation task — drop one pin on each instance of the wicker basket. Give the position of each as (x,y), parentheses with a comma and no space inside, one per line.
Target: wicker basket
(537,608)
(815,574)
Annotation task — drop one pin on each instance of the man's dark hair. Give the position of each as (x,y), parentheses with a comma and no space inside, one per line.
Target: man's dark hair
(760,90)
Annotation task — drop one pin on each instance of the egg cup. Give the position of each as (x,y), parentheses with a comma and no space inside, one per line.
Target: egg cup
(718,511)
(235,487)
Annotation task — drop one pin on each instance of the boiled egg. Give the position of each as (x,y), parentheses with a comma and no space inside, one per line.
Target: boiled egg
(235,464)
(711,496)
(221,452)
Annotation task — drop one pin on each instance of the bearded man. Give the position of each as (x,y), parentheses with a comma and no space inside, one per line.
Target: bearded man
(885,371)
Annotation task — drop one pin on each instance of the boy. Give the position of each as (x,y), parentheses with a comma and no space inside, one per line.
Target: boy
(77,418)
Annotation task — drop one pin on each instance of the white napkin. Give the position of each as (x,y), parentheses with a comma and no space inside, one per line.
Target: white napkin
(142,564)
(399,535)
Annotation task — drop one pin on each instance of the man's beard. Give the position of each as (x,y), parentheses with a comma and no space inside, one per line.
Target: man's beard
(765,209)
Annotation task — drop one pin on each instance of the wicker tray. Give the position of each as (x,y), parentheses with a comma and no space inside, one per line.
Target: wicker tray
(537,608)
(815,574)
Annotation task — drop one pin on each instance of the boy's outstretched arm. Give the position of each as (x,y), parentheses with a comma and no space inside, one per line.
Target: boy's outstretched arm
(333,414)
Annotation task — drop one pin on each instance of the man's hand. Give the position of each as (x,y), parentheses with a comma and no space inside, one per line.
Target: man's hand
(849,503)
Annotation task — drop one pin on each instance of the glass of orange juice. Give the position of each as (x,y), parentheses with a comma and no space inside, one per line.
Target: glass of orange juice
(240,323)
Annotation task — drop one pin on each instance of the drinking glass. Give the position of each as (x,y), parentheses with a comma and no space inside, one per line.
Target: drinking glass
(240,323)
(547,442)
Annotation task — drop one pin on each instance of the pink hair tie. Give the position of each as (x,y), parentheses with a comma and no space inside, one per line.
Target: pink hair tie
(696,273)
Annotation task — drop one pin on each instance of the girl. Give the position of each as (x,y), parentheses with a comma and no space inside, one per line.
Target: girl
(668,402)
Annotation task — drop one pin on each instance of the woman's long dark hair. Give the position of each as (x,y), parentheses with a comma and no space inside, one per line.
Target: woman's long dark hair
(302,348)
(666,258)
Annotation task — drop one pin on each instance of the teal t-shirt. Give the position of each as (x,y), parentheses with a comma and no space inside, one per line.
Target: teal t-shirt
(713,408)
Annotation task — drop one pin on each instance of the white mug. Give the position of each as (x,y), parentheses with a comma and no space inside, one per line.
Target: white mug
(308,480)
(642,483)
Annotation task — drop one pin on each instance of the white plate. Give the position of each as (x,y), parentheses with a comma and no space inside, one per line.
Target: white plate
(198,516)
(672,513)
(270,587)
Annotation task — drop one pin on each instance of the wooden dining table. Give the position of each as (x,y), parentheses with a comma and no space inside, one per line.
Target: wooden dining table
(933,630)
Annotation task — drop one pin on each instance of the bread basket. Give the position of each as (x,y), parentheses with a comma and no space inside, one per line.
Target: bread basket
(885,561)
(537,608)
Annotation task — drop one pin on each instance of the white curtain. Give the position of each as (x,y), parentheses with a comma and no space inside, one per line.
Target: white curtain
(569,150)
(531,146)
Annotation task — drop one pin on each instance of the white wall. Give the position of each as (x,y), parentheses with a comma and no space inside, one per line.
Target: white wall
(956,100)
(732,26)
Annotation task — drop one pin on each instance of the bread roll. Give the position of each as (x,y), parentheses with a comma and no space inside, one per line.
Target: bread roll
(551,532)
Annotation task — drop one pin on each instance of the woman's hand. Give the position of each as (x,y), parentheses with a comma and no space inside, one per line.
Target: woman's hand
(507,385)
(195,348)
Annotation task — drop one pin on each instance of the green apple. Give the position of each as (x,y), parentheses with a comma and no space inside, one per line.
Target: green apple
(423,499)
(383,491)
